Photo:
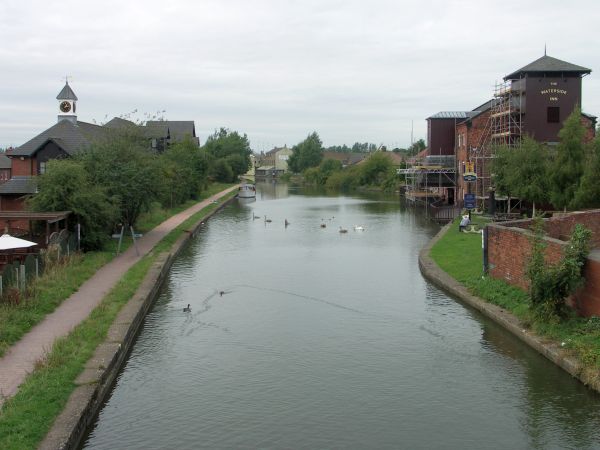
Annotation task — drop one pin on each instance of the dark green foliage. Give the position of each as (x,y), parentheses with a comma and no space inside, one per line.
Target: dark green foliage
(319,175)
(184,172)
(127,168)
(344,180)
(588,193)
(567,167)
(307,153)
(67,186)
(376,169)
(550,286)
(522,171)
(222,171)
(232,147)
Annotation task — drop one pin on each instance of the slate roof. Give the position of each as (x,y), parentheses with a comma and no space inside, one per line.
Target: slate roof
(547,64)
(5,162)
(176,130)
(67,135)
(66,93)
(119,123)
(452,115)
(19,185)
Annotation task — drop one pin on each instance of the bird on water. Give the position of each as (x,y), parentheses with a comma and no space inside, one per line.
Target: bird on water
(188,308)
(343,230)
(267,220)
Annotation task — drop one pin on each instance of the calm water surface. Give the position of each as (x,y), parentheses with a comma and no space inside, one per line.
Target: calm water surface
(324,340)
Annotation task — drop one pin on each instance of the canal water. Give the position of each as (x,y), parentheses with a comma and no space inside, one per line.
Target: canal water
(302,337)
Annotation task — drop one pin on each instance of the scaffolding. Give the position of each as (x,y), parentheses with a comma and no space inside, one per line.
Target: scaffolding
(503,128)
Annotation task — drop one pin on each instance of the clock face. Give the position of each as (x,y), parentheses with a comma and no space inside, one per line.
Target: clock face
(65,106)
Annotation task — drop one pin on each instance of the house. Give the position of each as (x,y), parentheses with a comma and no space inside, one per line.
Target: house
(19,166)
(274,162)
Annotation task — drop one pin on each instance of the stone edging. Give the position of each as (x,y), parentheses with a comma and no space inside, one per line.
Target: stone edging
(95,382)
(550,349)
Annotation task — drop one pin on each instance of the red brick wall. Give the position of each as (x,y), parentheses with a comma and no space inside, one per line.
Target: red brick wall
(12,203)
(590,130)
(587,300)
(23,166)
(509,250)
(560,227)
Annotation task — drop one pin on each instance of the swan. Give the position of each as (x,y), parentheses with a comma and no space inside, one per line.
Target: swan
(359,228)
(187,308)
(286,222)
(267,220)
(343,230)
(323,225)
(254,216)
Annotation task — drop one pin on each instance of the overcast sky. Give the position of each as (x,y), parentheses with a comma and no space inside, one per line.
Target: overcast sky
(278,70)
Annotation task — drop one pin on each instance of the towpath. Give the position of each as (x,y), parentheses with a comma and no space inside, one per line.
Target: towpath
(20,359)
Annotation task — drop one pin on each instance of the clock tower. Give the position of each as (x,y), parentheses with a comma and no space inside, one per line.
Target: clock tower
(66,104)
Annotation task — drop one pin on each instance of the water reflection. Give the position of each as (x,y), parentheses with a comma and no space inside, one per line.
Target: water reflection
(302,337)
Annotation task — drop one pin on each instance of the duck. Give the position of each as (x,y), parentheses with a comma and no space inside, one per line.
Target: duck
(323,225)
(359,228)
(343,230)
(188,308)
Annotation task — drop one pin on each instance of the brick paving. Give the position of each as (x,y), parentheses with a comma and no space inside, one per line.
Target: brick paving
(20,359)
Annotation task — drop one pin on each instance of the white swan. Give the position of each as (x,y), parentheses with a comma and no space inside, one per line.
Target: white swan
(343,230)
(359,228)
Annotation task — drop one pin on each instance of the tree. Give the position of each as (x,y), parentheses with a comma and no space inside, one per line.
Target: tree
(129,170)
(185,170)
(230,145)
(67,186)
(567,168)
(417,147)
(376,169)
(307,153)
(588,193)
(222,171)
(522,171)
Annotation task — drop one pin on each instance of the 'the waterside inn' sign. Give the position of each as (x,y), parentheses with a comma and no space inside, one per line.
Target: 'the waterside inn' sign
(553,93)
(469,174)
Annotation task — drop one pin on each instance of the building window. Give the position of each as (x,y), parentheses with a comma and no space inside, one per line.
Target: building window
(42,168)
(553,114)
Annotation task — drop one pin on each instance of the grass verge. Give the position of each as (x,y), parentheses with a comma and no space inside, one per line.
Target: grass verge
(56,285)
(26,418)
(460,256)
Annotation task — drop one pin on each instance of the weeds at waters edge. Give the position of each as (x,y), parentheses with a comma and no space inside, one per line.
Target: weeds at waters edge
(51,289)
(460,256)
(26,418)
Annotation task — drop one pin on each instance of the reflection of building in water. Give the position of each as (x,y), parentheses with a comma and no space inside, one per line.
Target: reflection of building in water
(271,190)
(274,163)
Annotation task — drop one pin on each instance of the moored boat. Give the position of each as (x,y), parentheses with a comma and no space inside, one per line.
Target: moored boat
(247,191)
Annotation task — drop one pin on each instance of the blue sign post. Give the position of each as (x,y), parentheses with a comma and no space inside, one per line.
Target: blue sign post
(469,200)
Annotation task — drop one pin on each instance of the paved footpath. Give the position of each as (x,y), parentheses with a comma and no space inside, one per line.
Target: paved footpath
(20,359)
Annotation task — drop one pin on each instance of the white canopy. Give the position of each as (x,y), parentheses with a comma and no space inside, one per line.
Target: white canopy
(8,242)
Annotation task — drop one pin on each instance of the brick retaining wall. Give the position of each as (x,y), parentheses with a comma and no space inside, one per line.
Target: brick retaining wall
(509,250)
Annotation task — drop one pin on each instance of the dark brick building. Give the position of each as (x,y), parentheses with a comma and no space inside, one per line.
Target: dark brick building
(534,100)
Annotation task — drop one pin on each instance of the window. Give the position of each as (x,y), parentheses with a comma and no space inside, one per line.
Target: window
(553,114)
(42,167)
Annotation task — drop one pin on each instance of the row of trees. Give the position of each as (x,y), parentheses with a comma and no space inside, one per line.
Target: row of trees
(367,147)
(115,179)
(307,158)
(564,176)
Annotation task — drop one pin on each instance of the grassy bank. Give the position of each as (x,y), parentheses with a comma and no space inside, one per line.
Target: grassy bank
(26,418)
(460,255)
(60,282)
